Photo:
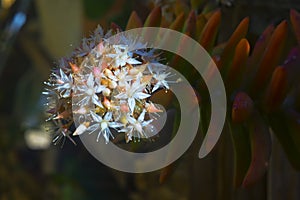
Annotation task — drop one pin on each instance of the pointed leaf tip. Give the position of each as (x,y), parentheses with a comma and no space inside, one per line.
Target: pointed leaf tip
(277,90)
(134,21)
(239,33)
(210,30)
(295,20)
(271,57)
(261,145)
(154,18)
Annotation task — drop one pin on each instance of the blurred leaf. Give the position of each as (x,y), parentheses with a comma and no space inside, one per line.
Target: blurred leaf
(238,65)
(242,108)
(178,23)
(190,24)
(154,18)
(277,90)
(281,130)
(292,65)
(165,173)
(271,57)
(295,20)
(208,8)
(261,146)
(242,151)
(257,53)
(201,21)
(115,28)
(293,120)
(197,3)
(227,55)
(181,7)
(134,21)
(209,33)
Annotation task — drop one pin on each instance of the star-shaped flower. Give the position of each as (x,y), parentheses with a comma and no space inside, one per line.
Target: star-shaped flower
(90,91)
(132,92)
(64,84)
(120,56)
(136,126)
(103,125)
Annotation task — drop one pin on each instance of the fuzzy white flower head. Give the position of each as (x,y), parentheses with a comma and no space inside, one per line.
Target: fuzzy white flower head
(110,85)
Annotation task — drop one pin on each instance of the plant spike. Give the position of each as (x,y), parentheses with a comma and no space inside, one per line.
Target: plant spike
(190,24)
(276,91)
(238,66)
(271,58)
(257,54)
(261,146)
(210,30)
(178,23)
(295,19)
(154,18)
(134,21)
(227,55)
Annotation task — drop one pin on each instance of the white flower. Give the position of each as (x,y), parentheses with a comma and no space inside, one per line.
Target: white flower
(98,34)
(160,81)
(64,84)
(110,83)
(90,91)
(86,46)
(103,125)
(132,92)
(135,127)
(61,133)
(121,57)
(159,75)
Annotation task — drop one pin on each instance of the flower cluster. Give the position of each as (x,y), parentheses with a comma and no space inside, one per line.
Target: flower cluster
(104,87)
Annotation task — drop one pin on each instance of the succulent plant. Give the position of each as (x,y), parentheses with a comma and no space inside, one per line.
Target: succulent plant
(263,92)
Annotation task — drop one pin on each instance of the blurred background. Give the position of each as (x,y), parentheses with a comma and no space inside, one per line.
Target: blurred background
(34,35)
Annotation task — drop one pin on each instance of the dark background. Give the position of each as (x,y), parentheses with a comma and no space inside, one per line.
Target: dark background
(53,28)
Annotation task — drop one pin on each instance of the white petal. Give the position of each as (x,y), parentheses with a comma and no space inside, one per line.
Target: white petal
(100,88)
(115,125)
(80,129)
(156,86)
(141,95)
(93,128)
(90,81)
(131,120)
(142,116)
(96,117)
(165,84)
(145,123)
(131,104)
(96,102)
(108,116)
(106,135)
(63,76)
(133,61)
(121,96)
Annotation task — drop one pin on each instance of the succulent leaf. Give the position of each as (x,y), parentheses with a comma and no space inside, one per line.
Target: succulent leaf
(271,57)
(134,21)
(154,18)
(227,55)
(295,19)
(261,146)
(209,33)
